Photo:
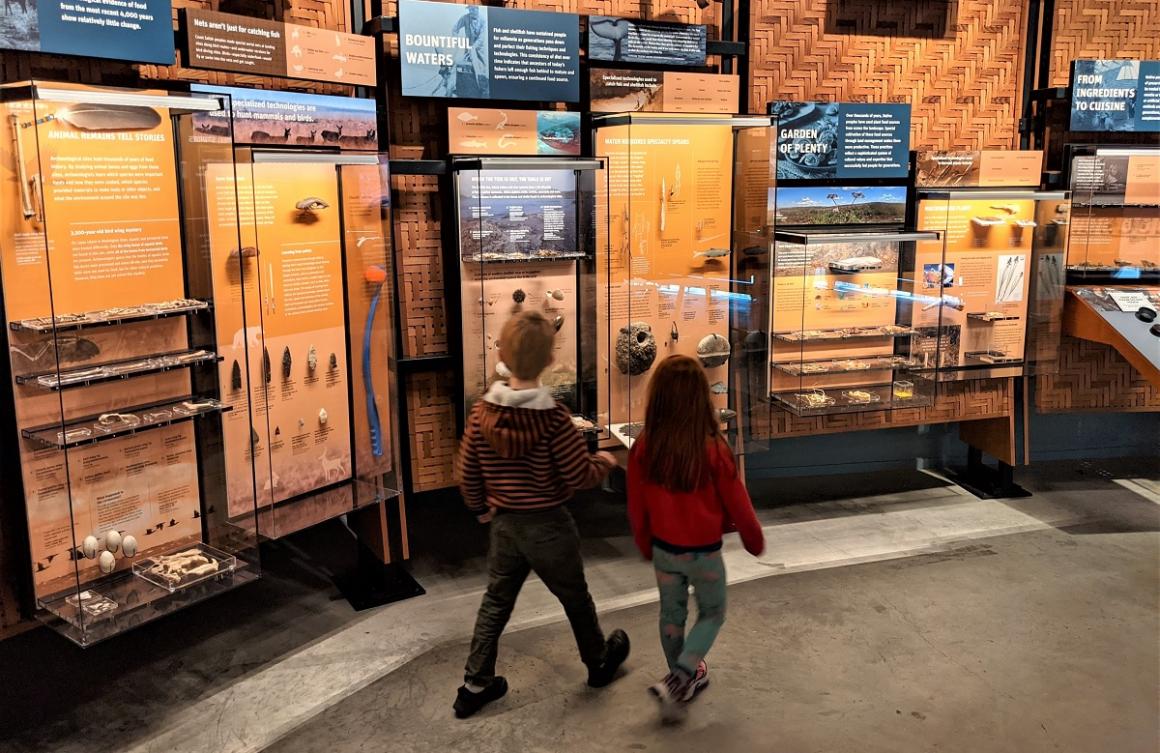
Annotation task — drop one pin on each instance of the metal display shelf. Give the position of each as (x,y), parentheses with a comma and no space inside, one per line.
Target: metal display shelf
(68,323)
(114,370)
(809,238)
(828,366)
(88,430)
(837,402)
(992,193)
(844,333)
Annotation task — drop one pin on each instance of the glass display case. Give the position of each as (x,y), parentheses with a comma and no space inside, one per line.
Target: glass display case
(527,242)
(845,332)
(116,399)
(687,209)
(997,269)
(1114,234)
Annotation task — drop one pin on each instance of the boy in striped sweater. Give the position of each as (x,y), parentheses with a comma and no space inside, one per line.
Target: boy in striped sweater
(520,460)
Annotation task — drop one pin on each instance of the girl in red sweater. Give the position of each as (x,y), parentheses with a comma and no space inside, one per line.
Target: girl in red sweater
(684,492)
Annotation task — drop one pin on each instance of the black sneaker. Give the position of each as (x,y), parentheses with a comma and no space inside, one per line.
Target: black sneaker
(467,703)
(615,652)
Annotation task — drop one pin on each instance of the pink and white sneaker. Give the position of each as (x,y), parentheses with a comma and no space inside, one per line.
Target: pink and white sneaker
(699,682)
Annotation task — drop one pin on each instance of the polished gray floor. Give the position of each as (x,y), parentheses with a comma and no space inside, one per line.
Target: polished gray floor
(904,616)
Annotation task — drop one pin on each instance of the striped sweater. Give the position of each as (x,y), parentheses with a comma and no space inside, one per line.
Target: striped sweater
(521,452)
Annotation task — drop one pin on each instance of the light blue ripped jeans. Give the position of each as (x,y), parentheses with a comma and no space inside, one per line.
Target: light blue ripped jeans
(705,572)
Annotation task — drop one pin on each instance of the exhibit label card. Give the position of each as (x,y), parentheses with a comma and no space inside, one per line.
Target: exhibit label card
(288,119)
(824,141)
(134,30)
(1129,177)
(1115,95)
(476,52)
(979,169)
(476,130)
(224,42)
(616,90)
(623,40)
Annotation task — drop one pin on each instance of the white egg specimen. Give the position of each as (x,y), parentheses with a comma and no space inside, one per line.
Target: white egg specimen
(107,562)
(89,547)
(129,546)
(113,541)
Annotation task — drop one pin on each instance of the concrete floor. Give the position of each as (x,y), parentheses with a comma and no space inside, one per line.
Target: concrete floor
(913,617)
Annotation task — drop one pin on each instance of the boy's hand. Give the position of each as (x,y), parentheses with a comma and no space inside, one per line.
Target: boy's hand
(608,457)
(486,517)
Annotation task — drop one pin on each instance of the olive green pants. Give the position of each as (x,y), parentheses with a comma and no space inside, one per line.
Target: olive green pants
(548,544)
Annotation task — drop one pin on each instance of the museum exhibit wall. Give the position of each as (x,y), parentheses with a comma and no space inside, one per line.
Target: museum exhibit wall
(958,63)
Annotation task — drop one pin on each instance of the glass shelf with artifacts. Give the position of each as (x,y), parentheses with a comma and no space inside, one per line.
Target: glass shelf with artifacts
(688,229)
(527,242)
(117,405)
(315,348)
(1114,233)
(998,265)
(842,319)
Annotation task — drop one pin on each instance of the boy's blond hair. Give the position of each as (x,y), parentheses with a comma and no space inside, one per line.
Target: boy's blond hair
(526,344)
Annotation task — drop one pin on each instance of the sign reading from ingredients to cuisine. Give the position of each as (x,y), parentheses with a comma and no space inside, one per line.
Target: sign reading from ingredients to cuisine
(828,141)
(1115,95)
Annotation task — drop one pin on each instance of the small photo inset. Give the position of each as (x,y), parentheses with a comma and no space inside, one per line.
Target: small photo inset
(1009,278)
(935,274)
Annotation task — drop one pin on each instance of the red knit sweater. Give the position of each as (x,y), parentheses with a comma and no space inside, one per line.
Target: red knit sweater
(692,521)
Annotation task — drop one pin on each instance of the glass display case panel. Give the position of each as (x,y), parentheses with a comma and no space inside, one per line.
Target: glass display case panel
(1114,233)
(668,287)
(316,264)
(844,322)
(528,242)
(115,396)
(993,244)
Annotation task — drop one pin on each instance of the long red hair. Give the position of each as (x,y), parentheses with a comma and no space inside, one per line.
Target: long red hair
(679,423)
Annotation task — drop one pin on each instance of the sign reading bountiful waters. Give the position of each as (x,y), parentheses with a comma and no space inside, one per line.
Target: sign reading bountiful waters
(828,140)
(136,30)
(1115,95)
(469,51)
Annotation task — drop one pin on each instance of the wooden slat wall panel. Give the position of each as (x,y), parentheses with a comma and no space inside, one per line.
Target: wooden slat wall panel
(1093,377)
(959,62)
(1102,29)
(955,401)
(417,231)
(431,402)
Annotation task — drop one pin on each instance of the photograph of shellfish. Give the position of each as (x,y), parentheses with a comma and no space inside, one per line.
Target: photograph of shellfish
(557,133)
(807,140)
(822,259)
(840,205)
(626,91)
(949,168)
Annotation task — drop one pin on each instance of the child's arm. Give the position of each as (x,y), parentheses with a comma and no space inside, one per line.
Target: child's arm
(467,470)
(637,509)
(577,468)
(735,497)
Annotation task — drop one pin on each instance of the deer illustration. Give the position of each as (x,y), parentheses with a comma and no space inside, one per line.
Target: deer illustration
(261,137)
(332,136)
(306,139)
(356,140)
(214,130)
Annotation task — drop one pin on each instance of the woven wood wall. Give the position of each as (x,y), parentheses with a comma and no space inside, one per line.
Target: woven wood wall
(1102,29)
(959,62)
(1093,377)
(955,401)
